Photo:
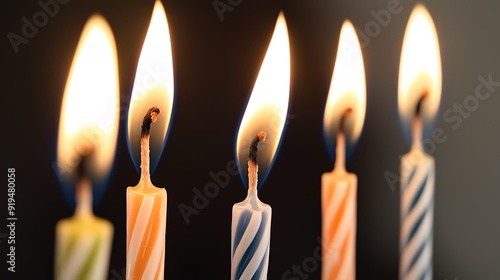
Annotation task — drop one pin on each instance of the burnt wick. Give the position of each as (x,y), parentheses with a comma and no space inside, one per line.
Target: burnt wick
(150,117)
(253,167)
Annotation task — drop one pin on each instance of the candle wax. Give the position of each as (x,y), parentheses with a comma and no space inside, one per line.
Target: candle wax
(250,238)
(338,205)
(83,242)
(146,228)
(417,210)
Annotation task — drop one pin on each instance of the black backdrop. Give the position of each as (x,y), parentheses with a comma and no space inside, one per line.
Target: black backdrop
(216,63)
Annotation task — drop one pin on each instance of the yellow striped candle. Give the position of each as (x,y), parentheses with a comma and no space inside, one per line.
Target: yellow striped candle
(89,121)
(83,242)
(343,123)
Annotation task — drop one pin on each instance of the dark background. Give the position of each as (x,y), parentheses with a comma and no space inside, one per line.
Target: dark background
(216,63)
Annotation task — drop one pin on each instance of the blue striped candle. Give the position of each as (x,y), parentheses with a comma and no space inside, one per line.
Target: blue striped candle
(251,227)
(265,115)
(419,97)
(417,211)
(251,232)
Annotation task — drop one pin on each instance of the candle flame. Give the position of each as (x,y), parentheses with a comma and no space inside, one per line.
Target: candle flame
(153,86)
(420,72)
(89,114)
(268,104)
(347,92)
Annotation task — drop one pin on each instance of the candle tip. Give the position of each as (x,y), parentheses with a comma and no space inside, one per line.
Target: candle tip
(150,117)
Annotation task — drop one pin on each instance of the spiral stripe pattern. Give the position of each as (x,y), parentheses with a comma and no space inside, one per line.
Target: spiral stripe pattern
(250,245)
(83,253)
(146,226)
(417,213)
(339,230)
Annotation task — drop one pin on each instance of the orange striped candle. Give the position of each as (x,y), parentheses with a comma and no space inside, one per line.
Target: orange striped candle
(147,204)
(343,123)
(338,205)
(146,217)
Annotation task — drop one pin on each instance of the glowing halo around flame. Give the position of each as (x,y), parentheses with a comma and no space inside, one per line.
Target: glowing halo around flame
(89,113)
(347,92)
(267,107)
(419,72)
(153,86)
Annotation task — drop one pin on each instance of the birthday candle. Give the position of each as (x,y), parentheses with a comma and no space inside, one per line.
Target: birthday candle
(146,217)
(266,111)
(88,131)
(343,123)
(147,204)
(419,95)
(83,242)
(251,228)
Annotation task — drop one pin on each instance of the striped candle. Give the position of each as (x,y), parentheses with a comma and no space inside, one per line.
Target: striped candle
(417,211)
(83,242)
(338,206)
(91,98)
(251,232)
(146,217)
(419,97)
(146,228)
(251,227)
(343,122)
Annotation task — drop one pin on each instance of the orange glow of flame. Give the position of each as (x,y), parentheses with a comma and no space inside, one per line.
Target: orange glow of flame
(347,90)
(153,86)
(420,71)
(268,104)
(89,113)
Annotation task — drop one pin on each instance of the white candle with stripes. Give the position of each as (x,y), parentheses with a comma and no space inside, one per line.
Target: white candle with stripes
(417,207)
(338,207)
(146,217)
(343,122)
(83,241)
(251,228)
(91,97)
(417,212)
(419,96)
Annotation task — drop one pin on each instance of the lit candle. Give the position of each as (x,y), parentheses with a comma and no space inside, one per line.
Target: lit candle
(264,119)
(147,204)
(419,95)
(88,128)
(343,123)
